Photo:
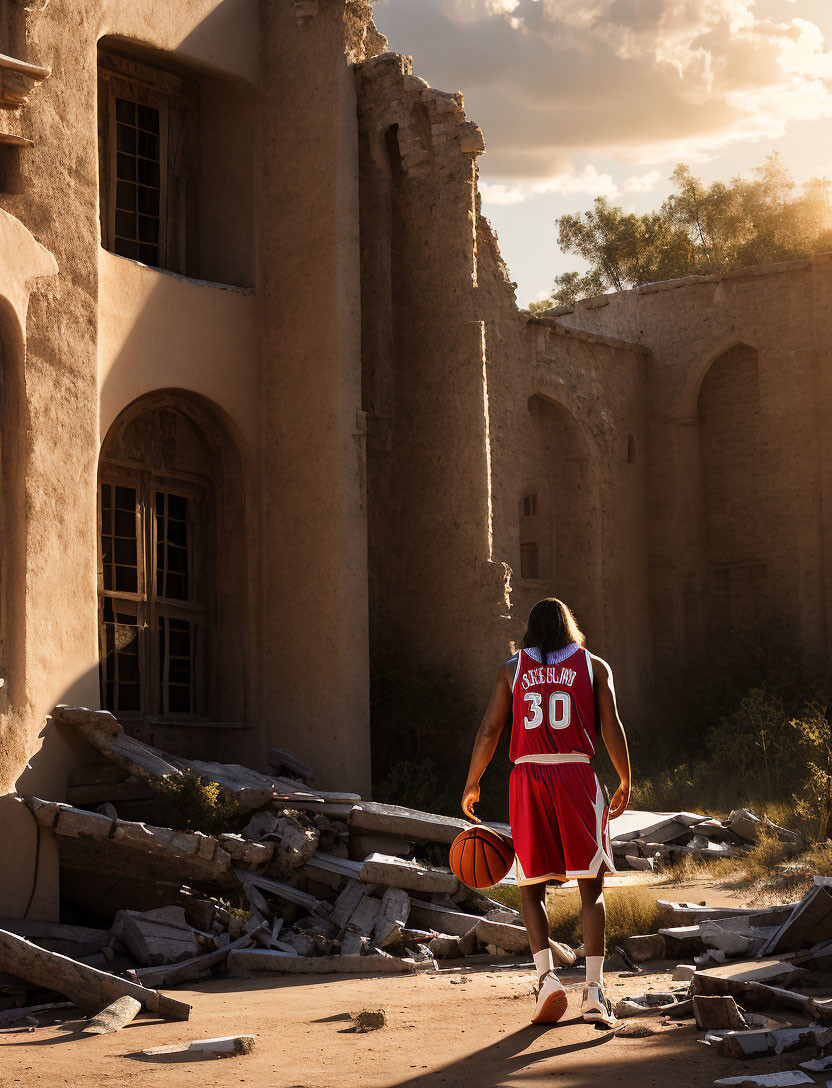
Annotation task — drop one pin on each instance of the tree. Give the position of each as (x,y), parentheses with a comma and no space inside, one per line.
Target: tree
(699,230)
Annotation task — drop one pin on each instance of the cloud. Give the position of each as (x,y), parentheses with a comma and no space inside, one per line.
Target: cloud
(642,183)
(645,82)
(587,180)
(501,194)
(566,183)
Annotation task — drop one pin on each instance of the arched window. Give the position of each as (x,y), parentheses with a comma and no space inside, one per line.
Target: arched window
(157,500)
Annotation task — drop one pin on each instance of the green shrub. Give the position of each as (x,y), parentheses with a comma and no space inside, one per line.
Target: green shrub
(189,803)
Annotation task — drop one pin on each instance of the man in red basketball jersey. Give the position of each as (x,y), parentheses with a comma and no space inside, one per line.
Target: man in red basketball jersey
(560,696)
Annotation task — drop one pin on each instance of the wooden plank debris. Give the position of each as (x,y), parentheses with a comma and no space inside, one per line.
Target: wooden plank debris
(87,987)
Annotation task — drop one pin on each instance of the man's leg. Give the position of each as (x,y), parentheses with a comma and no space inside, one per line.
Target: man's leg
(594,1004)
(536,921)
(550,1001)
(594,914)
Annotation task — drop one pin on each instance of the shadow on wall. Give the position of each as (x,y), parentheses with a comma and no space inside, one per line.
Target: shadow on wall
(29,856)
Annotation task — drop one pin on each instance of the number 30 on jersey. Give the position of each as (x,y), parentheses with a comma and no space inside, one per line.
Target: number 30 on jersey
(560,709)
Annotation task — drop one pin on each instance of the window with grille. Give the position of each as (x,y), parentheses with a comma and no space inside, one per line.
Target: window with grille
(152,609)
(138,176)
(147,148)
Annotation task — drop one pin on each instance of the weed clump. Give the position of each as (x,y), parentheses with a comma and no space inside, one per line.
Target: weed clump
(191,803)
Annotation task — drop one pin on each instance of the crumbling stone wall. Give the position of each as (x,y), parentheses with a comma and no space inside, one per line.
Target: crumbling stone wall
(455,379)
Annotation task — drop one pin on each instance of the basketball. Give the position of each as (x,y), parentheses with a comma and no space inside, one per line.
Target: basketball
(481,857)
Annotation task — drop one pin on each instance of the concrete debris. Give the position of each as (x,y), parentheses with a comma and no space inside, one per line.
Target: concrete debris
(230,1047)
(116,1016)
(765,1080)
(718,1012)
(158,936)
(763,1043)
(817,1065)
(643,840)
(86,986)
(809,924)
(368,1020)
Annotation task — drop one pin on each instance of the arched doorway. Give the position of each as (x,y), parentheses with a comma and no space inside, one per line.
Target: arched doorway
(730,449)
(172,631)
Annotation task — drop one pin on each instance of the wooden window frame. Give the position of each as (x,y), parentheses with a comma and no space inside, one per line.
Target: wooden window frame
(177,100)
(148,607)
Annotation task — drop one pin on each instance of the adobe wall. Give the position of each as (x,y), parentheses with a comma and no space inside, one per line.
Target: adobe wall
(739,393)
(451,368)
(105,331)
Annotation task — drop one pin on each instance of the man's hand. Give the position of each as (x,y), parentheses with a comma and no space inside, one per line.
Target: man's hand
(620,800)
(469,798)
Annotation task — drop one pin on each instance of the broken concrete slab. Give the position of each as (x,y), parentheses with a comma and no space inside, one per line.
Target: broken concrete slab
(817,1065)
(762,1042)
(156,937)
(228,1047)
(511,938)
(809,923)
(189,970)
(441,919)
(765,1080)
(87,987)
(718,1012)
(244,852)
(392,917)
(410,875)
(725,978)
(728,941)
(241,787)
(405,823)
(346,903)
(650,946)
(117,1015)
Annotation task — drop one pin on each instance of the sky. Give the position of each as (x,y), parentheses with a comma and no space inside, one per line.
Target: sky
(581,98)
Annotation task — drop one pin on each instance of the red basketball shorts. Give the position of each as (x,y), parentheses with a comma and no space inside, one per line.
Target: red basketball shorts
(559,822)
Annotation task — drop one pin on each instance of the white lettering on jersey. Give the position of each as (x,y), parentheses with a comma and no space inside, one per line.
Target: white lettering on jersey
(549,674)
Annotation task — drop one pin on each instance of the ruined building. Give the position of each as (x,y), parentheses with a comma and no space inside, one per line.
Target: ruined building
(269,409)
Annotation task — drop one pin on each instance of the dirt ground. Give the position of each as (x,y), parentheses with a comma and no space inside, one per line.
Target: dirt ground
(457,1028)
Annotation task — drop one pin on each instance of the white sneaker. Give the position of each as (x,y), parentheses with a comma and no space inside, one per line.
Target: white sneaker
(595,1005)
(551,1000)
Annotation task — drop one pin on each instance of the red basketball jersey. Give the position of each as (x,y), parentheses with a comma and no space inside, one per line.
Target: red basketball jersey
(554,706)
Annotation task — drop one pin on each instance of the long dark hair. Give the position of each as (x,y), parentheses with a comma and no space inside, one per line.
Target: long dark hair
(551,627)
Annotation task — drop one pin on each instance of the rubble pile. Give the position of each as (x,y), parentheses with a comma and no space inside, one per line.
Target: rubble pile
(310,881)
(296,880)
(746,976)
(641,843)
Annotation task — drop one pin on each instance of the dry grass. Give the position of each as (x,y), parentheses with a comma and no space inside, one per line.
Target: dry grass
(629,911)
(766,874)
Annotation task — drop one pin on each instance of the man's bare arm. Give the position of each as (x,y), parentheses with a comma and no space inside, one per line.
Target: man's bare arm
(613,733)
(488,735)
